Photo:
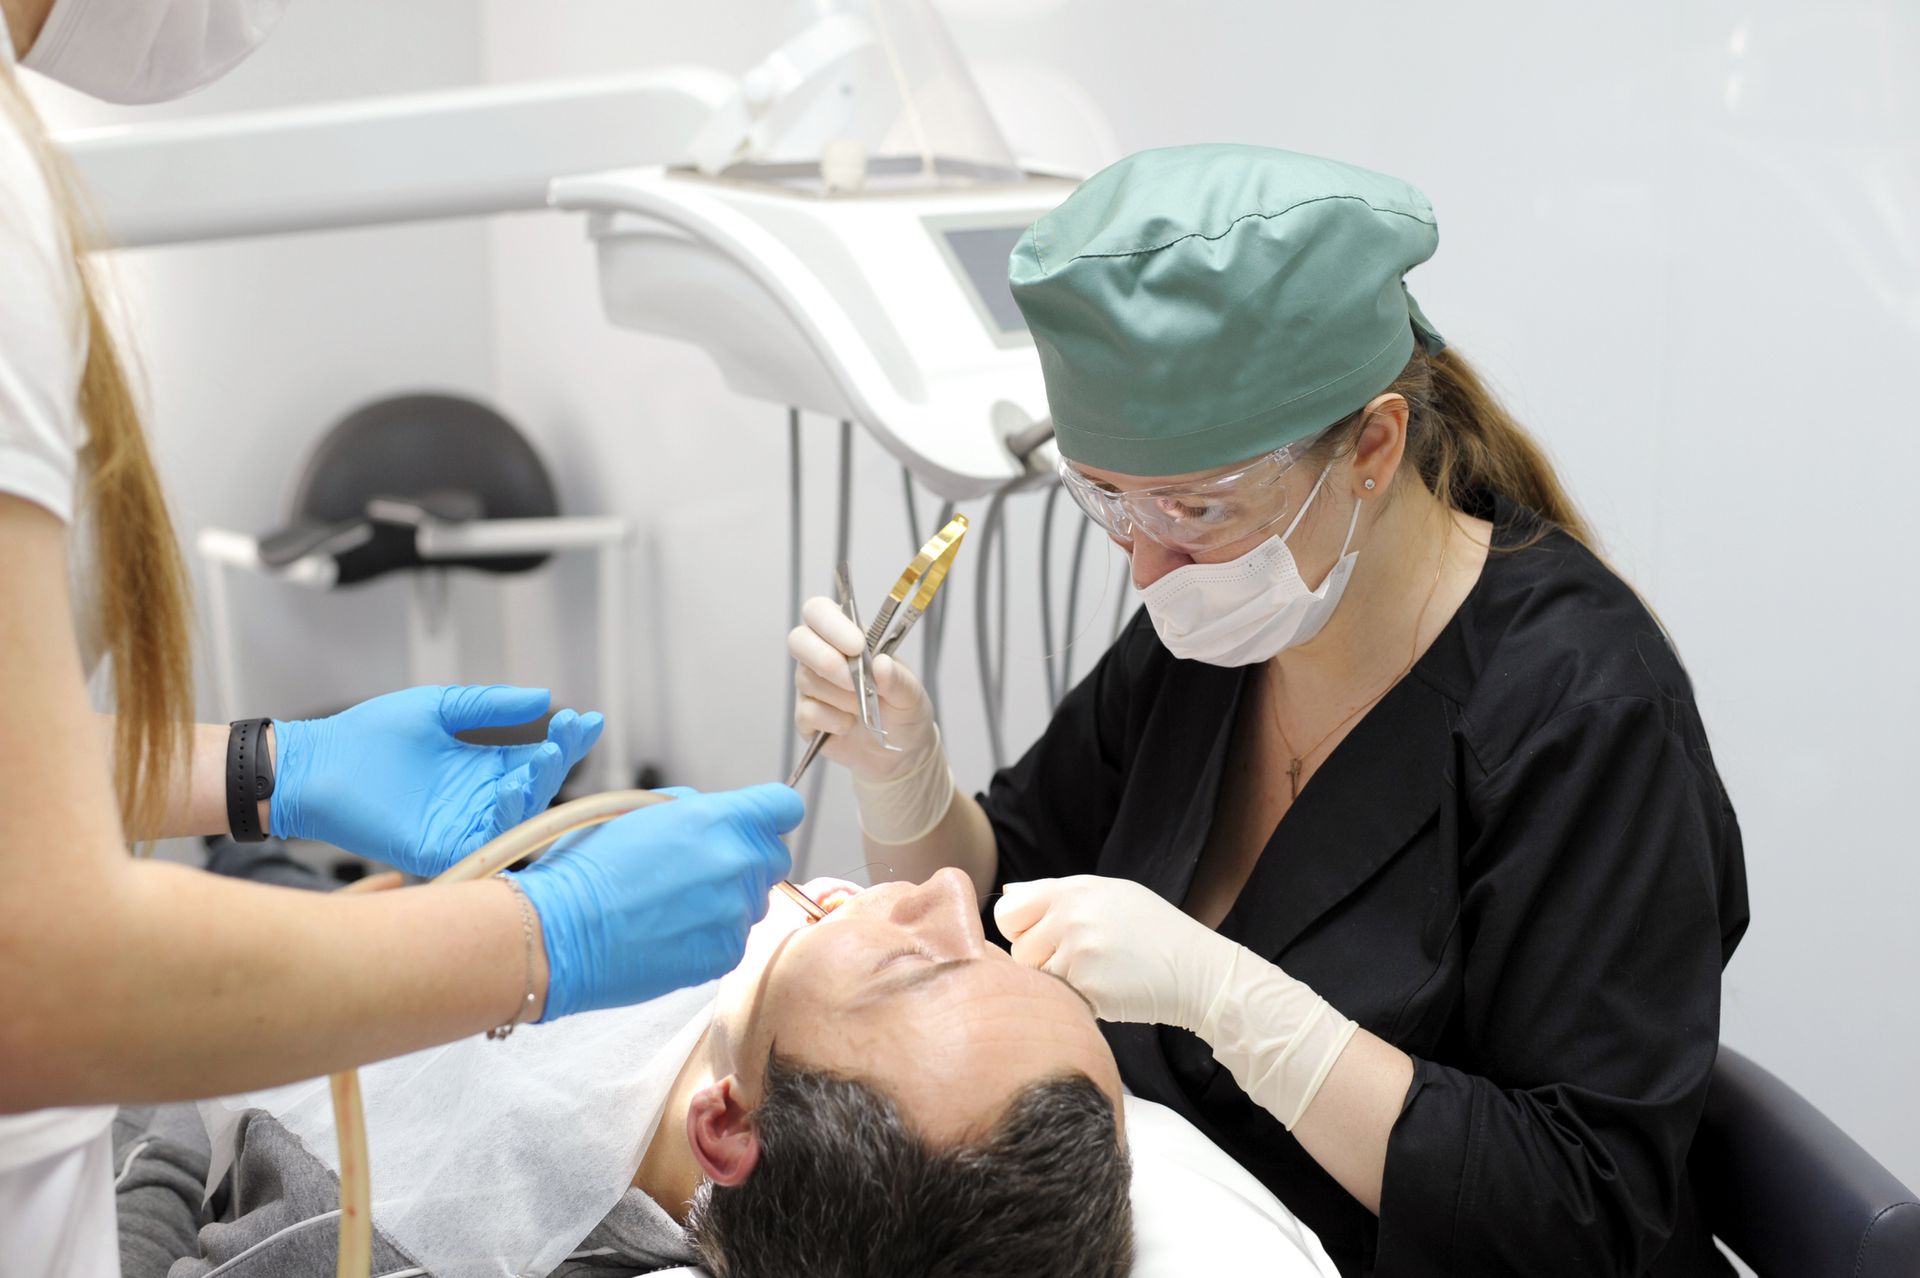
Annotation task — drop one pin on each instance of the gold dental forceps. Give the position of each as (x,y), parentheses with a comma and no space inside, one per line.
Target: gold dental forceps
(906,603)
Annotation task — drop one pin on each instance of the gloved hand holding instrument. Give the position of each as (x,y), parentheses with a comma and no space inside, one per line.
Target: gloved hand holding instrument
(900,776)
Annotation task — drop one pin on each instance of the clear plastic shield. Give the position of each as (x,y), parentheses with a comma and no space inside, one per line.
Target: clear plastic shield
(858,96)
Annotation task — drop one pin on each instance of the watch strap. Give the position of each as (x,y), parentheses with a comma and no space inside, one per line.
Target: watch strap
(249,778)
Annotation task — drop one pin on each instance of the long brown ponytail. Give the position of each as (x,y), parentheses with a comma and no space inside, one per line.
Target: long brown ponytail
(1461,440)
(142,588)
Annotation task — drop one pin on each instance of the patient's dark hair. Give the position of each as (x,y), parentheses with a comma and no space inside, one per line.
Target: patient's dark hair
(844,1189)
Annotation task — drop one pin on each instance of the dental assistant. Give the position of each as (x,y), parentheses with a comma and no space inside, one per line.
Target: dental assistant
(1386,840)
(129,980)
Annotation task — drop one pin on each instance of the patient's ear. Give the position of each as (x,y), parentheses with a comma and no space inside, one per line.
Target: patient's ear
(720,1130)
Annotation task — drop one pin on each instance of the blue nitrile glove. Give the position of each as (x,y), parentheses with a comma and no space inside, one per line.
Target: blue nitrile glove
(658,899)
(389,780)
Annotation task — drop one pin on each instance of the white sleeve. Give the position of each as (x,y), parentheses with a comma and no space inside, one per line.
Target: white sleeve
(42,342)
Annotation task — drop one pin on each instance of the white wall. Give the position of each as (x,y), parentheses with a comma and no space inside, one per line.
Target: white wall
(1681,239)
(253,348)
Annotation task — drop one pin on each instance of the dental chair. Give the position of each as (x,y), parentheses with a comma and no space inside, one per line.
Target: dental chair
(421,485)
(1789,1192)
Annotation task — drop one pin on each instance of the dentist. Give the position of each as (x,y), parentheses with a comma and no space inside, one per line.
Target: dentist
(1386,841)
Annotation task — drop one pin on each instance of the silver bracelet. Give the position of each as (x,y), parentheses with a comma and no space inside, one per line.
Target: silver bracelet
(526,926)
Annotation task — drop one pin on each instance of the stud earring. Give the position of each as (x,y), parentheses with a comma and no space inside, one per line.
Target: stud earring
(1369,485)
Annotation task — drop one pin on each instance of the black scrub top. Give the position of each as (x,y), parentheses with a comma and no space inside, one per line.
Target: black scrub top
(1520,867)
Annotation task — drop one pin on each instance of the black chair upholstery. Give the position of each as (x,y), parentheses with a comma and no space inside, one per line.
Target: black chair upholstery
(1790,1192)
(389,465)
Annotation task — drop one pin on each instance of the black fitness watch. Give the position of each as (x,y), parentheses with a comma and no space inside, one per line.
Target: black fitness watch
(249,778)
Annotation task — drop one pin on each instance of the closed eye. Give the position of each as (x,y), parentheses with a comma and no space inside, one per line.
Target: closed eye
(906,975)
(905,952)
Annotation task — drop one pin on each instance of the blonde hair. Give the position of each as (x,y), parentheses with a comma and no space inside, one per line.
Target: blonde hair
(142,608)
(1461,440)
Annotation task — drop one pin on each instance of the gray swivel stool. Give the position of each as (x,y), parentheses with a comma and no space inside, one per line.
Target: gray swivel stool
(1789,1192)
(388,467)
(422,485)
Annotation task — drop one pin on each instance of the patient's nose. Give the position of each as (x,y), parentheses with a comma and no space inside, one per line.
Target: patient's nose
(944,913)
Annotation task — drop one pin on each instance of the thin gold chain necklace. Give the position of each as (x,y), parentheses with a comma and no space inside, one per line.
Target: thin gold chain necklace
(1299,757)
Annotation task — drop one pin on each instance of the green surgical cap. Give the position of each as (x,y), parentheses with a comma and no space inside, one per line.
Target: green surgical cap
(1200,305)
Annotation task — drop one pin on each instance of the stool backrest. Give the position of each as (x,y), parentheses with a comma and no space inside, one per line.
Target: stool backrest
(446,453)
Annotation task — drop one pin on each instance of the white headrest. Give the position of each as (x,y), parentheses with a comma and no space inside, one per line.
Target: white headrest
(1196,1212)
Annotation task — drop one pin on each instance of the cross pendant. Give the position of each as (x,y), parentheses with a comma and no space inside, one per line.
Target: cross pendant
(1293,778)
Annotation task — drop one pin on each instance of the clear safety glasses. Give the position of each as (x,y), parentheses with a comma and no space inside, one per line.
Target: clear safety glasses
(1192,514)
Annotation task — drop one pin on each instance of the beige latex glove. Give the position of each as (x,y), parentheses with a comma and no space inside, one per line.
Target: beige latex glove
(1137,957)
(903,785)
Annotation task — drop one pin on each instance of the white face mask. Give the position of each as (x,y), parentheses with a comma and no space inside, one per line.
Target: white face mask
(138,51)
(1251,608)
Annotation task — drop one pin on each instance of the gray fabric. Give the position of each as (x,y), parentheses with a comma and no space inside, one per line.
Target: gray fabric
(265,862)
(282,1200)
(638,1234)
(160,1164)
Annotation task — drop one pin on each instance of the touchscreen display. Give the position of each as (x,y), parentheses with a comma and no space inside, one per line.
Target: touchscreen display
(981,254)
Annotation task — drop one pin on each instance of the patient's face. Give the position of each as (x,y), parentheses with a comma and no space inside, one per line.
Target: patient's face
(900,988)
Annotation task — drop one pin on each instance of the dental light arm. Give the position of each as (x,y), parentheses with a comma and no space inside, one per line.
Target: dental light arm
(368,161)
